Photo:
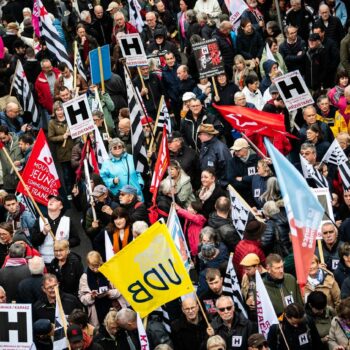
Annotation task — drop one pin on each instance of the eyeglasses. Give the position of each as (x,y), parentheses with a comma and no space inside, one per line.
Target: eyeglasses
(117,147)
(226,308)
(51,287)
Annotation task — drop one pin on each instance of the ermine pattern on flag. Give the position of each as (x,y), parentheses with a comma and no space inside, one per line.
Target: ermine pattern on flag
(309,172)
(239,213)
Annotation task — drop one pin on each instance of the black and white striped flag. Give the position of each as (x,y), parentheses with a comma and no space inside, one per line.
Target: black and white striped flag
(24,94)
(137,136)
(135,15)
(232,288)
(80,66)
(335,155)
(309,172)
(52,39)
(60,341)
(164,118)
(239,211)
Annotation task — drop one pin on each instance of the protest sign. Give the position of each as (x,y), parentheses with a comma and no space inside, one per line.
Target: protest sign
(293,90)
(208,58)
(78,115)
(16,330)
(149,271)
(40,174)
(132,49)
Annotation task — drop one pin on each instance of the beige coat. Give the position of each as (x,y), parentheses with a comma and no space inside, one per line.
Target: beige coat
(84,294)
(329,287)
(337,337)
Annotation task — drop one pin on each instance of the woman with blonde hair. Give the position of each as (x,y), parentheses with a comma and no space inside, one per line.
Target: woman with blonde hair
(216,343)
(240,71)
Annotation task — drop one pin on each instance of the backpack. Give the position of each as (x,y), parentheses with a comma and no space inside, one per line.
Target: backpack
(154,213)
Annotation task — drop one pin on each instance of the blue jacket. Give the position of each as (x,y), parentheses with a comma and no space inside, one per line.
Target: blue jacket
(13,125)
(171,83)
(341,12)
(124,169)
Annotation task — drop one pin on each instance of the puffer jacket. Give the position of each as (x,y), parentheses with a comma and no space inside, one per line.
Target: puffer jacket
(328,286)
(341,273)
(337,336)
(184,190)
(124,169)
(107,107)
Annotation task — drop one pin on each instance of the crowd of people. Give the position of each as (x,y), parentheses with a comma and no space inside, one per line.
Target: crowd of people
(206,155)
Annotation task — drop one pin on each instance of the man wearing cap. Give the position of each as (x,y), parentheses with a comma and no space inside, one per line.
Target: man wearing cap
(257,342)
(60,225)
(316,63)
(104,206)
(232,326)
(147,127)
(243,163)
(43,331)
(250,263)
(214,154)
(78,340)
(281,287)
(186,156)
(196,116)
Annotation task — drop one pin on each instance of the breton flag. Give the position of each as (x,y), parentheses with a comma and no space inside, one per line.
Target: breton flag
(137,136)
(35,18)
(239,211)
(60,341)
(303,210)
(49,33)
(310,172)
(25,96)
(80,66)
(178,236)
(164,119)
(335,155)
(231,287)
(101,153)
(265,310)
(162,163)
(135,15)
(142,334)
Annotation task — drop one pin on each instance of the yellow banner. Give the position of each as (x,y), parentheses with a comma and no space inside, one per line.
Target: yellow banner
(149,271)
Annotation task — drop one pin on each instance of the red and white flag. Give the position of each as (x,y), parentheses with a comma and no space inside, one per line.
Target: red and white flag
(40,174)
(264,308)
(142,334)
(161,166)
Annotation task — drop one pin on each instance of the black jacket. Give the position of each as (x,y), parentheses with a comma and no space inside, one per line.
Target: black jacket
(103,338)
(227,50)
(238,334)
(29,290)
(316,65)
(209,204)
(250,46)
(341,273)
(290,55)
(302,19)
(137,211)
(334,30)
(69,274)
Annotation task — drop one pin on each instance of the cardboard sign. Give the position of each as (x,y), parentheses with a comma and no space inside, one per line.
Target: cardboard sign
(293,90)
(208,58)
(78,115)
(16,331)
(94,57)
(132,49)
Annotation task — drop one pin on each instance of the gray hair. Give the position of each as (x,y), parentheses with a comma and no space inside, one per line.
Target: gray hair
(270,208)
(124,316)
(238,95)
(163,347)
(308,145)
(36,265)
(209,231)
(27,9)
(116,141)
(84,15)
(273,191)
(191,15)
(309,107)
(201,16)
(165,186)
(17,250)
(139,227)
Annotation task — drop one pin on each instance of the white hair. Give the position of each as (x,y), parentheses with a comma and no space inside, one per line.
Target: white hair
(84,15)
(139,227)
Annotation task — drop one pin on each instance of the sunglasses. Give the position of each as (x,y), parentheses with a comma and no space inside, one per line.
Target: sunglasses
(117,147)
(227,308)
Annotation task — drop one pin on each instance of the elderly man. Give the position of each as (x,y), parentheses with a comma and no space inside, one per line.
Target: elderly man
(310,116)
(186,81)
(103,24)
(45,307)
(214,154)
(11,119)
(334,28)
(330,245)
(230,325)
(10,140)
(281,287)
(241,101)
(152,24)
(124,133)
(190,330)
(122,26)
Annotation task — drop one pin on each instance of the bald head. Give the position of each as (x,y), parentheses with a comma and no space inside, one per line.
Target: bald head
(190,310)
(324,12)
(98,11)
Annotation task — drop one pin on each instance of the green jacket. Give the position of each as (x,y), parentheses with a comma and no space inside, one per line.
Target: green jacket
(107,106)
(9,177)
(345,52)
(288,288)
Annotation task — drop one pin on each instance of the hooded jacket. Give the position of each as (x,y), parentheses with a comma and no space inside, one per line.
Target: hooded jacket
(266,82)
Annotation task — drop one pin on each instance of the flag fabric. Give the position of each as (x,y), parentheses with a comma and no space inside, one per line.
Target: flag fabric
(108,247)
(135,17)
(239,211)
(144,343)
(270,56)
(35,18)
(149,271)
(310,172)
(40,174)
(50,34)
(137,136)
(92,160)
(60,341)
(251,121)
(236,8)
(265,310)
(101,153)
(303,210)
(162,163)
(232,288)
(24,93)
(335,155)
(80,66)
(164,119)
(178,236)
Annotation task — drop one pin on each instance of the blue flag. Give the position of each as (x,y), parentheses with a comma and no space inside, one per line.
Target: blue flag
(303,210)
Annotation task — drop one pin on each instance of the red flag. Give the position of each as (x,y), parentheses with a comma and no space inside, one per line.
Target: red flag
(251,121)
(40,173)
(92,160)
(161,166)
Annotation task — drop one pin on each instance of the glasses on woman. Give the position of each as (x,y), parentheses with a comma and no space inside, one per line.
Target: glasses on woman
(117,147)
